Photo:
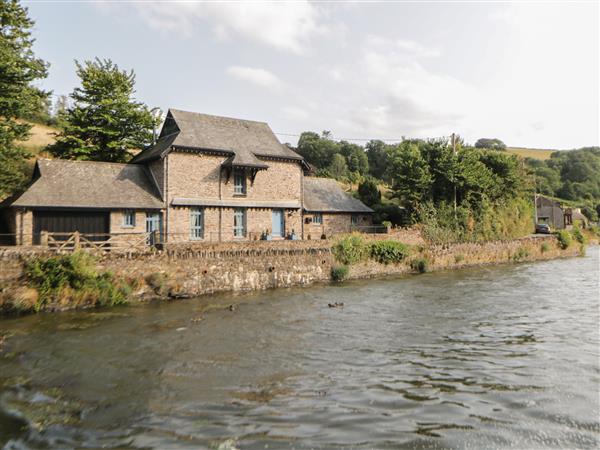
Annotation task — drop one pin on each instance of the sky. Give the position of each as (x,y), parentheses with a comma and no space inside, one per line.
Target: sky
(524,72)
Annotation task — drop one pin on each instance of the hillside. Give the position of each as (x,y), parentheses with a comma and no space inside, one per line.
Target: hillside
(535,153)
(41,136)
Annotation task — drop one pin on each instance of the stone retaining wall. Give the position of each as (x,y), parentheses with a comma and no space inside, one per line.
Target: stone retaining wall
(189,270)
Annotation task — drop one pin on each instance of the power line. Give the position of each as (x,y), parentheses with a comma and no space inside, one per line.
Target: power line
(347,139)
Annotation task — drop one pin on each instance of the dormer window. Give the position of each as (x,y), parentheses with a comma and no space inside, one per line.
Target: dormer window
(239,182)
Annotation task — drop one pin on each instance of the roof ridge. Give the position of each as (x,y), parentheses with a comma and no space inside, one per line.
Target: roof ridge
(219,117)
(80,161)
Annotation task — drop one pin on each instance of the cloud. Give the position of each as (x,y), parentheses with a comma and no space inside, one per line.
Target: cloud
(285,26)
(396,94)
(260,77)
(295,112)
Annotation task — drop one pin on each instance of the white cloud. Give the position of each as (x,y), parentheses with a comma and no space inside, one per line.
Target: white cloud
(286,25)
(295,112)
(258,76)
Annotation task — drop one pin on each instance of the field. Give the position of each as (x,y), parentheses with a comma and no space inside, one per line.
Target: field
(535,153)
(41,136)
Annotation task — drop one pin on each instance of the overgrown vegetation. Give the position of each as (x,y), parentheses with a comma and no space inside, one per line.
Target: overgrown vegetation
(520,254)
(350,249)
(420,264)
(545,247)
(388,251)
(564,239)
(579,236)
(68,280)
(339,273)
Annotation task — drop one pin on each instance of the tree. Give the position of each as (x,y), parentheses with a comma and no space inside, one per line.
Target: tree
(492,144)
(338,168)
(369,193)
(317,150)
(18,98)
(356,158)
(105,122)
(410,174)
(377,155)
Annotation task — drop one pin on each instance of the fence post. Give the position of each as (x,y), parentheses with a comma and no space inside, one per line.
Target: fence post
(44,238)
(77,241)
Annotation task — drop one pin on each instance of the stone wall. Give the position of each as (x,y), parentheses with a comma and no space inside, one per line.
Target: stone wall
(193,269)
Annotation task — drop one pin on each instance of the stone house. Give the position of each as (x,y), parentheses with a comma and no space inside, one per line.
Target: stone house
(206,178)
(553,213)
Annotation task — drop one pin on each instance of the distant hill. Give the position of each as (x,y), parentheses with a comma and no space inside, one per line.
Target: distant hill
(41,136)
(535,153)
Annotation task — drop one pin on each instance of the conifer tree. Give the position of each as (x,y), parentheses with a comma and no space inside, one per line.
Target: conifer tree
(18,98)
(105,122)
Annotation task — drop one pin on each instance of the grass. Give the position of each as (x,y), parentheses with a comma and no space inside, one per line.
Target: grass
(535,153)
(67,280)
(41,136)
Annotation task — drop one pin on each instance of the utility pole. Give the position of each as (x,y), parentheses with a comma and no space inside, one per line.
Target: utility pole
(454,175)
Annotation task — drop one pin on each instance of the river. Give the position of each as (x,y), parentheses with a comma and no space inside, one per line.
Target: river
(493,357)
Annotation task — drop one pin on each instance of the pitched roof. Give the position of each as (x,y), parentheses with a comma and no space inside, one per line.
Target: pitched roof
(326,195)
(89,184)
(205,132)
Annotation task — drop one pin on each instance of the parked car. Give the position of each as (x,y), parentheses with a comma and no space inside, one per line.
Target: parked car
(542,228)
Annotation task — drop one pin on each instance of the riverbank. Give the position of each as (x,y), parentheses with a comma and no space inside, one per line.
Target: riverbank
(36,281)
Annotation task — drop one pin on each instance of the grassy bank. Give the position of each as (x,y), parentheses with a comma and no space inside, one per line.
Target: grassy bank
(64,282)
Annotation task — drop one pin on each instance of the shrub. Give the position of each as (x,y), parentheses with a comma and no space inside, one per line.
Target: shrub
(564,239)
(339,273)
(350,249)
(521,253)
(73,280)
(388,251)
(459,258)
(158,282)
(420,265)
(578,236)
(545,247)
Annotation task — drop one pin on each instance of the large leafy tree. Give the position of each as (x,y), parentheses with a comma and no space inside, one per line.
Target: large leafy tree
(18,97)
(105,122)
(316,149)
(377,154)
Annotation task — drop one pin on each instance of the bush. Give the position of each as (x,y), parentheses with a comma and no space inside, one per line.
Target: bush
(339,273)
(459,258)
(389,251)
(578,236)
(350,249)
(564,239)
(73,280)
(521,253)
(420,265)
(545,247)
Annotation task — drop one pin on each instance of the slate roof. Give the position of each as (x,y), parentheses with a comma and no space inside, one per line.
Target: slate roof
(89,184)
(246,139)
(326,195)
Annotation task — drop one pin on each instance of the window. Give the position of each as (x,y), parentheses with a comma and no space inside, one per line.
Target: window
(239,222)
(129,219)
(354,219)
(239,182)
(197,223)
(318,219)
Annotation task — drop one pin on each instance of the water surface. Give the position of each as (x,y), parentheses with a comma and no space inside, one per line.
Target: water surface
(494,357)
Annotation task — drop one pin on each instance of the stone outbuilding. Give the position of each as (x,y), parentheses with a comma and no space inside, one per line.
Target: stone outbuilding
(328,209)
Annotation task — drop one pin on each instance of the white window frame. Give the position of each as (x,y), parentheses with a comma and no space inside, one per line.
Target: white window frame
(239,188)
(239,230)
(318,218)
(196,224)
(128,218)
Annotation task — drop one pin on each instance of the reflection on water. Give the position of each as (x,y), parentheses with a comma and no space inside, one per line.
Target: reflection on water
(482,358)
